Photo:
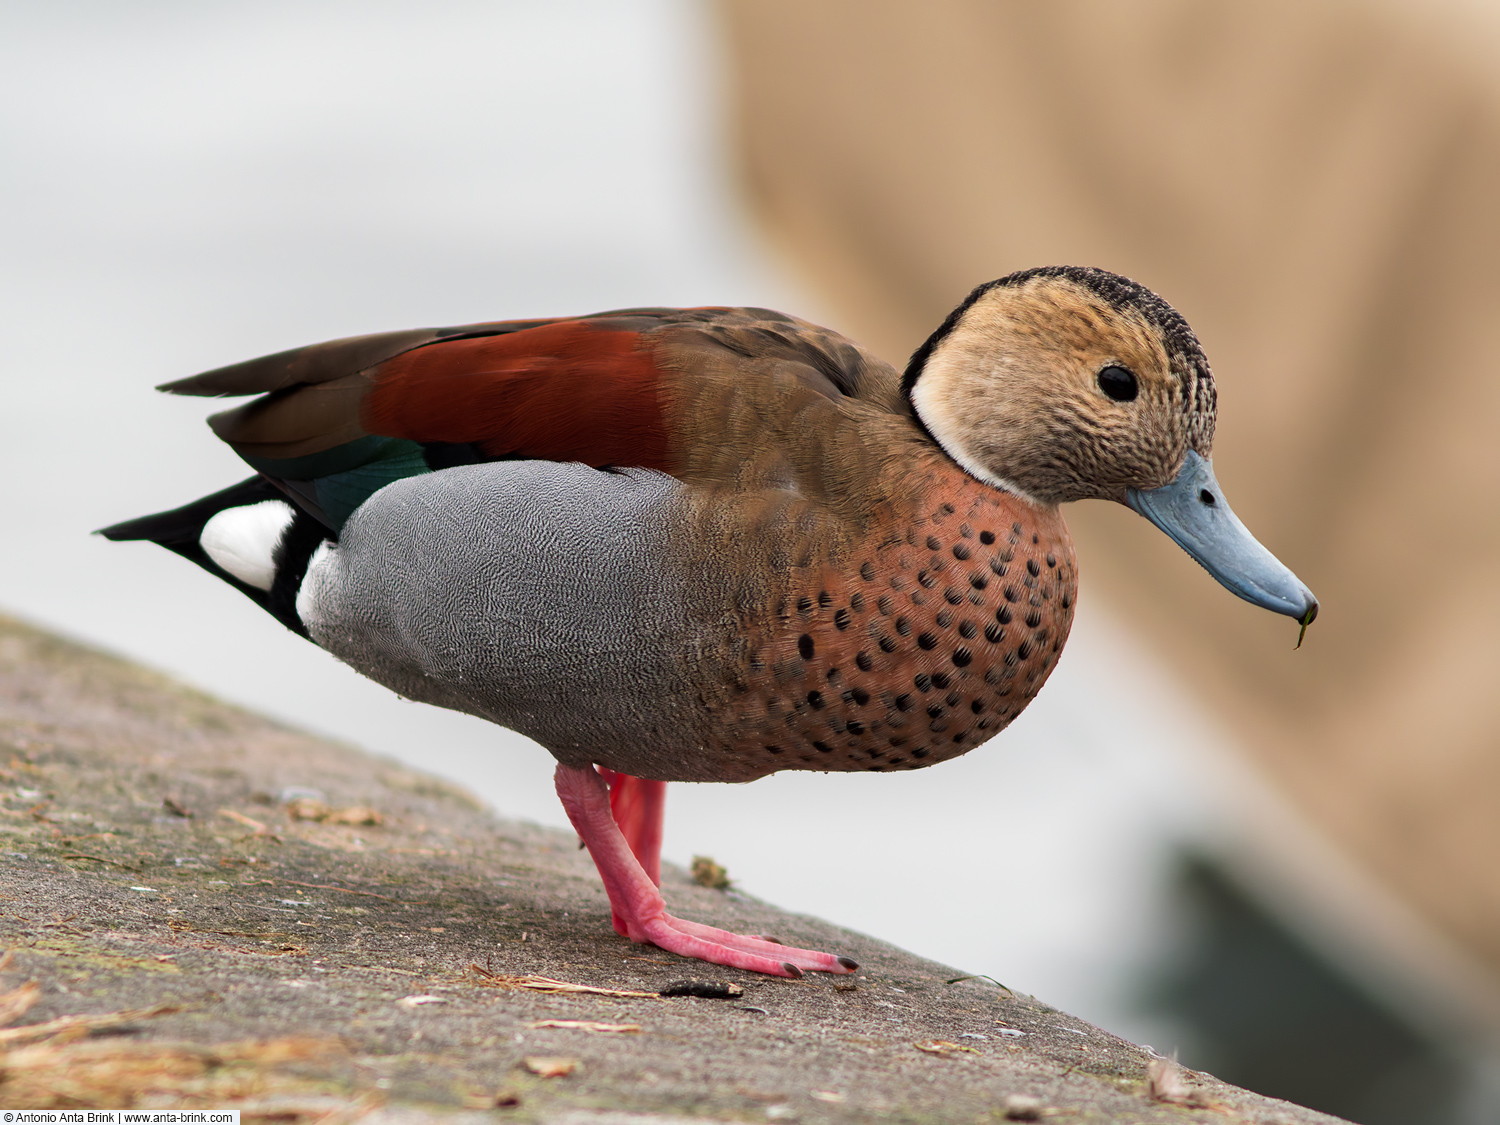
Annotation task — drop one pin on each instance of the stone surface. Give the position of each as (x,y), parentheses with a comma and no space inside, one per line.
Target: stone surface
(317,966)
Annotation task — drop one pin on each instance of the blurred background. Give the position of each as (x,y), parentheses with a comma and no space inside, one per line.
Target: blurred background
(1283,865)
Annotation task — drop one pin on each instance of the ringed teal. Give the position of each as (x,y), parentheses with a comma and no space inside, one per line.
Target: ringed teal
(710,544)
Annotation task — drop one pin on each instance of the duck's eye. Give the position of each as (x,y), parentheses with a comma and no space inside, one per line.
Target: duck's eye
(1118,384)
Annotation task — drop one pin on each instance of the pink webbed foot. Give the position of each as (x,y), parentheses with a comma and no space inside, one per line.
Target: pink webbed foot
(640,913)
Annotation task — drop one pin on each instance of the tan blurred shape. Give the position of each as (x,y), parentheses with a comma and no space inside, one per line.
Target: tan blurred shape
(1316,186)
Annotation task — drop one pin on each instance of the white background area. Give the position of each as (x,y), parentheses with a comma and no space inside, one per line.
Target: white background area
(188,185)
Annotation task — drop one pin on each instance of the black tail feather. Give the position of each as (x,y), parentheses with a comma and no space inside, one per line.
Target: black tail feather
(181,529)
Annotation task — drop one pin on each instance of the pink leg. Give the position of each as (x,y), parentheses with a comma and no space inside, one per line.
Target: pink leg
(638,807)
(637,903)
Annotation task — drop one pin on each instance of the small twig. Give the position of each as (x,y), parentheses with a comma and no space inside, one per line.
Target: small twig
(547,984)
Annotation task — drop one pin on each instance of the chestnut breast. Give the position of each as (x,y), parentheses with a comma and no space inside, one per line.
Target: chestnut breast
(932,633)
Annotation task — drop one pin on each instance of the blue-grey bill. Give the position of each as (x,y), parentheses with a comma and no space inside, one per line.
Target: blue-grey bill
(1193,512)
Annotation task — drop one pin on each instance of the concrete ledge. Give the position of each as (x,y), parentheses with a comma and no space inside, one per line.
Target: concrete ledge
(324,968)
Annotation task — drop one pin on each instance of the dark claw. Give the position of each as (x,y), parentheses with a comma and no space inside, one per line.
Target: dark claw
(792,970)
(848,964)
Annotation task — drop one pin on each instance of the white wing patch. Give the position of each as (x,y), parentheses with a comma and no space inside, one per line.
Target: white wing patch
(243,540)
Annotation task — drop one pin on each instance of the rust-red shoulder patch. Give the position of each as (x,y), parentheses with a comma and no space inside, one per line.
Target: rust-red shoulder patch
(565,391)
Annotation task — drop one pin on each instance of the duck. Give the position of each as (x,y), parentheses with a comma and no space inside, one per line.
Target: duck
(711,544)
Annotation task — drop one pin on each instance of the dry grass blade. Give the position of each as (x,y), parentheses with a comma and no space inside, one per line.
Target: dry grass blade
(942,1048)
(547,984)
(310,808)
(1166,1083)
(99,859)
(329,887)
(549,1067)
(189,928)
(249,822)
(114,1074)
(589,1025)
(83,1023)
(15,1004)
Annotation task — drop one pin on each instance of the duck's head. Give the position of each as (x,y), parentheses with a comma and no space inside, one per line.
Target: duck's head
(1070,383)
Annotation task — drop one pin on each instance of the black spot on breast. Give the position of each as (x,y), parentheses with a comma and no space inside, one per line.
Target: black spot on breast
(903,626)
(1032,568)
(997,566)
(961,551)
(774,749)
(885,605)
(1015,529)
(941,679)
(977,706)
(1034,618)
(1023,650)
(944,618)
(954,698)
(822,747)
(1012,594)
(804,606)
(1002,615)
(962,657)
(863,660)
(986,537)
(867,571)
(920,752)
(1067,601)
(854,726)
(993,633)
(927,641)
(805,646)
(1035,539)
(857,695)
(934,543)
(978,581)
(833,675)
(938,726)
(927,579)
(948,509)
(922,681)
(918,598)
(935,711)
(825,599)
(815,699)
(953,595)
(967,629)
(857,602)
(1051,559)
(887,644)
(841,619)
(903,703)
